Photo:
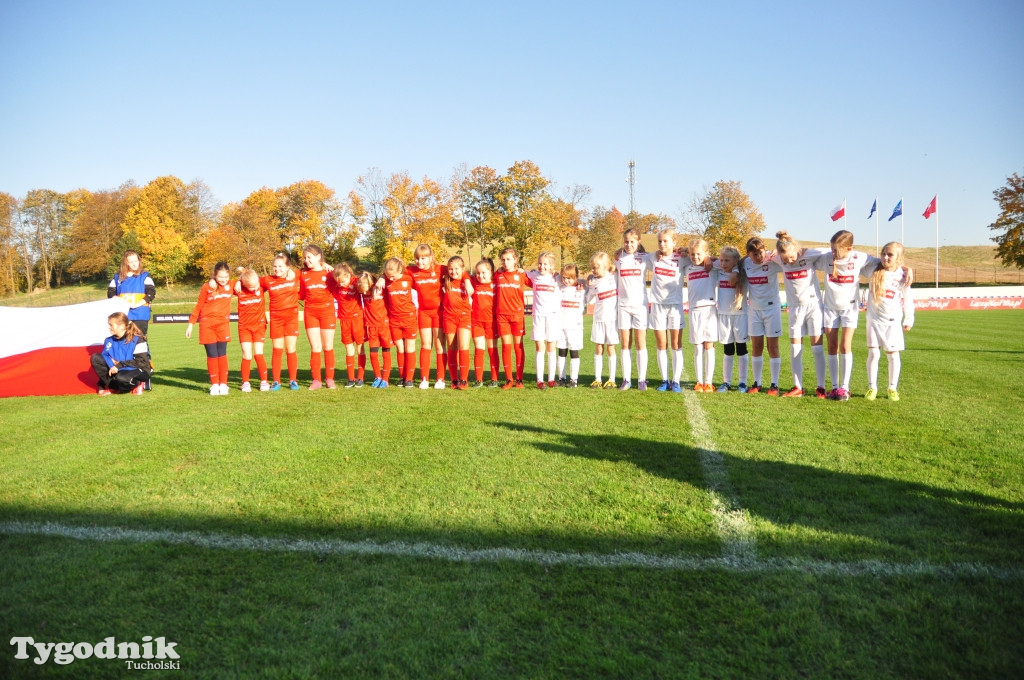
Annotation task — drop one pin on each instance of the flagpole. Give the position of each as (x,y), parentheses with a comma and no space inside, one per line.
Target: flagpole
(844,215)
(903,231)
(876,226)
(936,242)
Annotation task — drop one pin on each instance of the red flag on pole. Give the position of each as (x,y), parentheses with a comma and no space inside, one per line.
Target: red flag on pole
(932,207)
(839,211)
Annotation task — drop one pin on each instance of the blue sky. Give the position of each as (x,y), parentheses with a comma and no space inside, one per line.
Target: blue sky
(805,103)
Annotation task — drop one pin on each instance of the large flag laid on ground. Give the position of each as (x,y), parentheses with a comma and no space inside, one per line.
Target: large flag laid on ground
(46,350)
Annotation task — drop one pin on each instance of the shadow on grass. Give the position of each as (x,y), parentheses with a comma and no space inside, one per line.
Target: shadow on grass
(185,377)
(823,513)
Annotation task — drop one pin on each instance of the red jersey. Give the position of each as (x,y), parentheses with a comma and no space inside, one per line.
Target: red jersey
(398,298)
(508,298)
(349,306)
(483,301)
(214,305)
(251,307)
(427,283)
(317,287)
(375,313)
(456,301)
(283,294)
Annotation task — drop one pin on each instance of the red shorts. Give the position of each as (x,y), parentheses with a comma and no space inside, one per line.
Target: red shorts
(485,329)
(512,325)
(248,334)
(284,324)
(320,317)
(430,318)
(404,332)
(379,336)
(352,331)
(453,324)
(214,332)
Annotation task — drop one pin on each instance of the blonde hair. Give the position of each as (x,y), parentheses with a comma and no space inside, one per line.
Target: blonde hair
(741,277)
(249,278)
(877,281)
(569,269)
(393,265)
(786,243)
(446,280)
(366,282)
(694,242)
(633,231)
(841,240)
(125,272)
(424,248)
(487,262)
(343,268)
(546,255)
(604,258)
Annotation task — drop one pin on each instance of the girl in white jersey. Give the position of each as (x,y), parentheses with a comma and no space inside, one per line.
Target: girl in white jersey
(701,282)
(631,267)
(732,318)
(843,268)
(603,293)
(764,316)
(803,297)
(890,312)
(547,315)
(666,317)
(570,340)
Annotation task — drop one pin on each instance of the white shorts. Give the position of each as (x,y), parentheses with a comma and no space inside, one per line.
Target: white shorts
(546,328)
(632,318)
(885,333)
(604,333)
(703,324)
(666,317)
(805,321)
(571,338)
(732,328)
(844,319)
(766,322)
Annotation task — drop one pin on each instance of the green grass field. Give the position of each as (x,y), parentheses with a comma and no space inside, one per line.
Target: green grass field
(566,533)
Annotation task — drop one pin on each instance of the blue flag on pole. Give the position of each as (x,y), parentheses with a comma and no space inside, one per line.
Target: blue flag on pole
(897,211)
(874,207)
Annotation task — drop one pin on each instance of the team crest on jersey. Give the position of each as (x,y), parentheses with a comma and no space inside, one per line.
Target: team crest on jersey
(803,263)
(850,266)
(764,267)
(405,284)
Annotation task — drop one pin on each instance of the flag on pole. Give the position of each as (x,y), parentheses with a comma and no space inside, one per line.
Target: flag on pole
(897,211)
(932,208)
(874,207)
(839,211)
(49,354)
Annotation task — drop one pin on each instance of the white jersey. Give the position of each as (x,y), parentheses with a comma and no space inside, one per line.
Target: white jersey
(666,279)
(631,274)
(547,300)
(800,278)
(762,284)
(842,278)
(573,301)
(895,303)
(700,284)
(604,293)
(727,293)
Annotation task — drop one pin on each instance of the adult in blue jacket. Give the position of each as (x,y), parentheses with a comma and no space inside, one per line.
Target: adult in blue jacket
(123,365)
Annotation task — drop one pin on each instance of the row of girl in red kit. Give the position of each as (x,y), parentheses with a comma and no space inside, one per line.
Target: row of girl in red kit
(732,301)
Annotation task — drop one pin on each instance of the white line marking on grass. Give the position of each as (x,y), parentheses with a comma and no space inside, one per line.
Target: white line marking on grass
(733,526)
(638,560)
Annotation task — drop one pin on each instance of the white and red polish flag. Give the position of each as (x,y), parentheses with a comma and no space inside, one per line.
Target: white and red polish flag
(45,350)
(839,211)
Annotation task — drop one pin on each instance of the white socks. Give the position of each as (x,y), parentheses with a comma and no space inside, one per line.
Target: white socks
(819,364)
(797,364)
(873,355)
(641,365)
(758,366)
(847,366)
(775,365)
(698,363)
(677,364)
(627,364)
(663,364)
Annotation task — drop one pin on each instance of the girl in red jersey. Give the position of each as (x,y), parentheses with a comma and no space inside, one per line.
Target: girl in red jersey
(212,311)
(350,319)
(510,308)
(426,274)
(402,317)
(456,293)
(282,288)
(316,287)
(252,326)
(378,333)
(485,323)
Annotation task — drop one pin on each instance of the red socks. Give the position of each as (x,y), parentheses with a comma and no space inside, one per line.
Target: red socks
(520,361)
(329,363)
(261,367)
(506,360)
(478,364)
(275,362)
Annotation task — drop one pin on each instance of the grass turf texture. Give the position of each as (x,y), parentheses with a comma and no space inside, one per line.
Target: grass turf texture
(936,477)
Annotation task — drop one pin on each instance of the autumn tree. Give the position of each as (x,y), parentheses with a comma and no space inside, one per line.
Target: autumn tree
(44,229)
(97,229)
(368,211)
(246,233)
(649,223)
(603,233)
(9,278)
(309,213)
(723,215)
(158,220)
(1010,243)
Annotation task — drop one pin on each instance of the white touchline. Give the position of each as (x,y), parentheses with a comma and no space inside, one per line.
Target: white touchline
(638,560)
(733,527)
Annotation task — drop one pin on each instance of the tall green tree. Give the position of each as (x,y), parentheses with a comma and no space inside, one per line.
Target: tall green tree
(1010,222)
(724,215)
(9,278)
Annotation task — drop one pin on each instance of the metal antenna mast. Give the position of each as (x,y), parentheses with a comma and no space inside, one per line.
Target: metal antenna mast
(632,185)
